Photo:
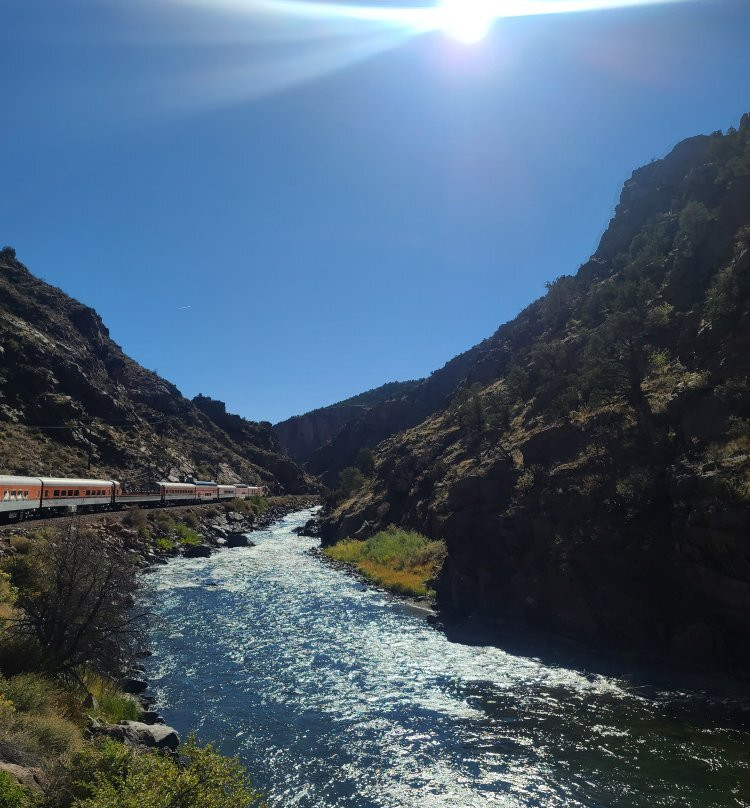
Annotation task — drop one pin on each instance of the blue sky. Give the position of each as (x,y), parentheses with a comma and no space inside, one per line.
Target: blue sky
(281,213)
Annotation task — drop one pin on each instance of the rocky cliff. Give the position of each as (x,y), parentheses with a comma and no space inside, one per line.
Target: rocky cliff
(71,402)
(589,464)
(398,412)
(303,435)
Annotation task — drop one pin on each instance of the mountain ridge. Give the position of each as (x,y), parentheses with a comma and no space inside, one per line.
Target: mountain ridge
(302,435)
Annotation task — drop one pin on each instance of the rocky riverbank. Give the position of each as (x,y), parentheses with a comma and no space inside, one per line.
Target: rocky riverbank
(122,711)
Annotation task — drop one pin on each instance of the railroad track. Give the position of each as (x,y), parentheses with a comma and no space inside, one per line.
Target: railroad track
(82,518)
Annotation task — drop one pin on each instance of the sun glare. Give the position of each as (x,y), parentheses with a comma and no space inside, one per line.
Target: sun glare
(466,21)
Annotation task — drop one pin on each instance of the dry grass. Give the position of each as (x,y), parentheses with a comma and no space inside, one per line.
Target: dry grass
(398,560)
(38,720)
(411,582)
(112,704)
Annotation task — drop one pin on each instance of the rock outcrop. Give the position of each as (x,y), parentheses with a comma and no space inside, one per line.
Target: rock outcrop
(303,435)
(30,776)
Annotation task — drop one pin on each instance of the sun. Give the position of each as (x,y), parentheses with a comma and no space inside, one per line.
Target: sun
(467,21)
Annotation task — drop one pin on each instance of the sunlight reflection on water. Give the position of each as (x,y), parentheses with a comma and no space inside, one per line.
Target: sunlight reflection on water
(338,696)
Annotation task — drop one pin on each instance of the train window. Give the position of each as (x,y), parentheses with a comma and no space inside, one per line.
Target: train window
(6,496)
(25,494)
(57,492)
(70,492)
(46,494)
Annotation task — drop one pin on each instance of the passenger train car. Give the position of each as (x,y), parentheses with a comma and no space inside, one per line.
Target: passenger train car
(35,497)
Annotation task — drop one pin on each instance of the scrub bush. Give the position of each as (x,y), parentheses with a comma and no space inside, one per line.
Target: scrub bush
(30,692)
(236,505)
(186,535)
(14,795)
(21,544)
(190,519)
(164,522)
(111,776)
(135,518)
(53,736)
(260,504)
(351,479)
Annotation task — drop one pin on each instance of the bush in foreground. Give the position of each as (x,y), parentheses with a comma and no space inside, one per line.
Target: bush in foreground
(109,775)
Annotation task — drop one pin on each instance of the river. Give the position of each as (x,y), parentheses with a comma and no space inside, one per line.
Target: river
(337,696)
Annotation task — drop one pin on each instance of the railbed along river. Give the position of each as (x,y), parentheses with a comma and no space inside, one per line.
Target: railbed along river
(337,696)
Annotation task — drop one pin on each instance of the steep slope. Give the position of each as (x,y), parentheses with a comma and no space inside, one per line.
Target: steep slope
(301,435)
(71,402)
(591,476)
(388,417)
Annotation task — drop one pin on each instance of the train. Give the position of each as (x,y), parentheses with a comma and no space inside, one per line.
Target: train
(39,497)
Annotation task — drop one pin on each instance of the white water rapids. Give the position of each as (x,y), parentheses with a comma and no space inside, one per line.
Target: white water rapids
(337,696)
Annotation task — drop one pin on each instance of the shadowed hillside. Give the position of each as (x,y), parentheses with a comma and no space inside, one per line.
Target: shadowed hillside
(589,464)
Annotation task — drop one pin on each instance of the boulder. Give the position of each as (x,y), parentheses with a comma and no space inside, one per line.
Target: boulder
(137,734)
(197,551)
(311,528)
(159,736)
(239,540)
(30,777)
(133,685)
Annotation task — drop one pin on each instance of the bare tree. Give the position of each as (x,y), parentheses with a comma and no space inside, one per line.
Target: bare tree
(80,607)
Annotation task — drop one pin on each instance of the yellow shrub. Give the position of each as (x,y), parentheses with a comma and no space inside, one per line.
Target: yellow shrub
(399,560)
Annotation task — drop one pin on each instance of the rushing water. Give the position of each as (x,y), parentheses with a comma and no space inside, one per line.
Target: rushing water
(334,695)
